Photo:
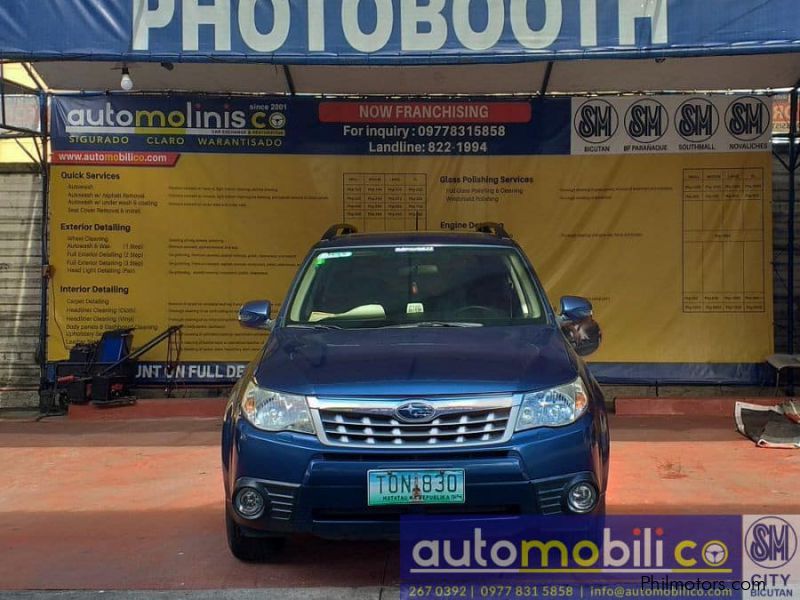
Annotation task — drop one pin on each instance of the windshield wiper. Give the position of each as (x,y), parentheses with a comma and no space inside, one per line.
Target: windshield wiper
(315,326)
(434,324)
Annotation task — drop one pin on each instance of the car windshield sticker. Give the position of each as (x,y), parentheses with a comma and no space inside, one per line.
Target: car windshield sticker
(414,308)
(414,249)
(326,255)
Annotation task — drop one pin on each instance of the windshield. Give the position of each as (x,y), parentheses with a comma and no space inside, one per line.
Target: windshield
(416,286)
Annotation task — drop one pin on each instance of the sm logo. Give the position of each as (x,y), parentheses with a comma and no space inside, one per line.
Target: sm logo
(771,542)
(697,120)
(747,118)
(596,121)
(646,121)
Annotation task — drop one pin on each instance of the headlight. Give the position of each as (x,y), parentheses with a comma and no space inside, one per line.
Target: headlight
(276,411)
(550,408)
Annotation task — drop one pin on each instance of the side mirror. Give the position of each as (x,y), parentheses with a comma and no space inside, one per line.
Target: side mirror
(575,308)
(256,315)
(582,331)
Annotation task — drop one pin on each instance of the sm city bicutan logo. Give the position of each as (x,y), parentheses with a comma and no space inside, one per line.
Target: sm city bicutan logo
(596,121)
(639,550)
(770,542)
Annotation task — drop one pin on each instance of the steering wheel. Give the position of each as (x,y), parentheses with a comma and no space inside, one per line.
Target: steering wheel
(477,310)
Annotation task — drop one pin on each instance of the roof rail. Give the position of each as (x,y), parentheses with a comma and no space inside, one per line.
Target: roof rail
(495,229)
(338,229)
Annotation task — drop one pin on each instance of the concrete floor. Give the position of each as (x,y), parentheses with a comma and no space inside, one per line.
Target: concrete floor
(137,505)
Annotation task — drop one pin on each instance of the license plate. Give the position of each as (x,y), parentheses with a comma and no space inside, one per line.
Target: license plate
(407,486)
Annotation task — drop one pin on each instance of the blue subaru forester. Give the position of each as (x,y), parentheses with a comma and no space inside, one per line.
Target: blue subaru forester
(412,373)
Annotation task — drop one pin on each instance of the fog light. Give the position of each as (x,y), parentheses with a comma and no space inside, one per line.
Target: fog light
(582,497)
(249,503)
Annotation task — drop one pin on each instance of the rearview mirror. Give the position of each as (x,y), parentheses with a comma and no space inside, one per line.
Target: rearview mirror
(582,331)
(256,315)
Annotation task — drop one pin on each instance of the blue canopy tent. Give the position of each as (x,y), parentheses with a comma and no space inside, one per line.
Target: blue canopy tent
(438,45)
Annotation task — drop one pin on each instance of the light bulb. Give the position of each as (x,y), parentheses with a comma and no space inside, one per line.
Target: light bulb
(126,83)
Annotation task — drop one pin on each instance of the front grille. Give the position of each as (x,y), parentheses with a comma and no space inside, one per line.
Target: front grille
(374,424)
(395,513)
(445,454)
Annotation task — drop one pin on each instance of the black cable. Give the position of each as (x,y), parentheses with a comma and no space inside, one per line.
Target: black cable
(55,318)
(179,350)
(51,408)
(174,346)
(168,367)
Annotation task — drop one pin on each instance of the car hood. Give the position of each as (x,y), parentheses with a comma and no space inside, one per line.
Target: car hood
(415,361)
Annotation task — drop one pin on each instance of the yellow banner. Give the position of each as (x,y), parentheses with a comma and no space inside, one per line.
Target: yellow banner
(673,250)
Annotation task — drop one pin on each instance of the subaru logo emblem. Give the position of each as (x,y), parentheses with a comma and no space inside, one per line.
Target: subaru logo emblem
(415,412)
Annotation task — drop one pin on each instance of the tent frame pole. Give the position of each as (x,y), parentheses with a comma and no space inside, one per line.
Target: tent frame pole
(793,160)
(548,71)
(289,80)
(46,272)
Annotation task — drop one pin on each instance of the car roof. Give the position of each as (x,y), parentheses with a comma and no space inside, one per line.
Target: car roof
(416,238)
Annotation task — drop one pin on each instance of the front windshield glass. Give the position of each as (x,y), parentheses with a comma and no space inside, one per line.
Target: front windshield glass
(416,286)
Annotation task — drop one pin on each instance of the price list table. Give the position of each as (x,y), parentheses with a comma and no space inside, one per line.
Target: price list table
(385,201)
(723,240)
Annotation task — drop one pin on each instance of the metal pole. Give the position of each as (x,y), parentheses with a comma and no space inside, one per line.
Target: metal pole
(289,80)
(2,95)
(548,71)
(45,171)
(792,198)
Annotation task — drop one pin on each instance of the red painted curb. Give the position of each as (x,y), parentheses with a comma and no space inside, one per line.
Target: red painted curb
(707,407)
(151,409)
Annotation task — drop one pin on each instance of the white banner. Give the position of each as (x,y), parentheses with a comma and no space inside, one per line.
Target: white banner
(671,124)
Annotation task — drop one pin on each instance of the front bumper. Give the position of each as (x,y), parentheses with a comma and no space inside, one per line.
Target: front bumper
(322,490)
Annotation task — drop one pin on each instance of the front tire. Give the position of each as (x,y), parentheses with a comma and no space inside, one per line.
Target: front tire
(252,549)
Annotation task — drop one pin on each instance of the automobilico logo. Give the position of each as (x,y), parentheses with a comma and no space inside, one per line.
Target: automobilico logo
(596,121)
(680,547)
(697,120)
(646,121)
(747,118)
(771,542)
